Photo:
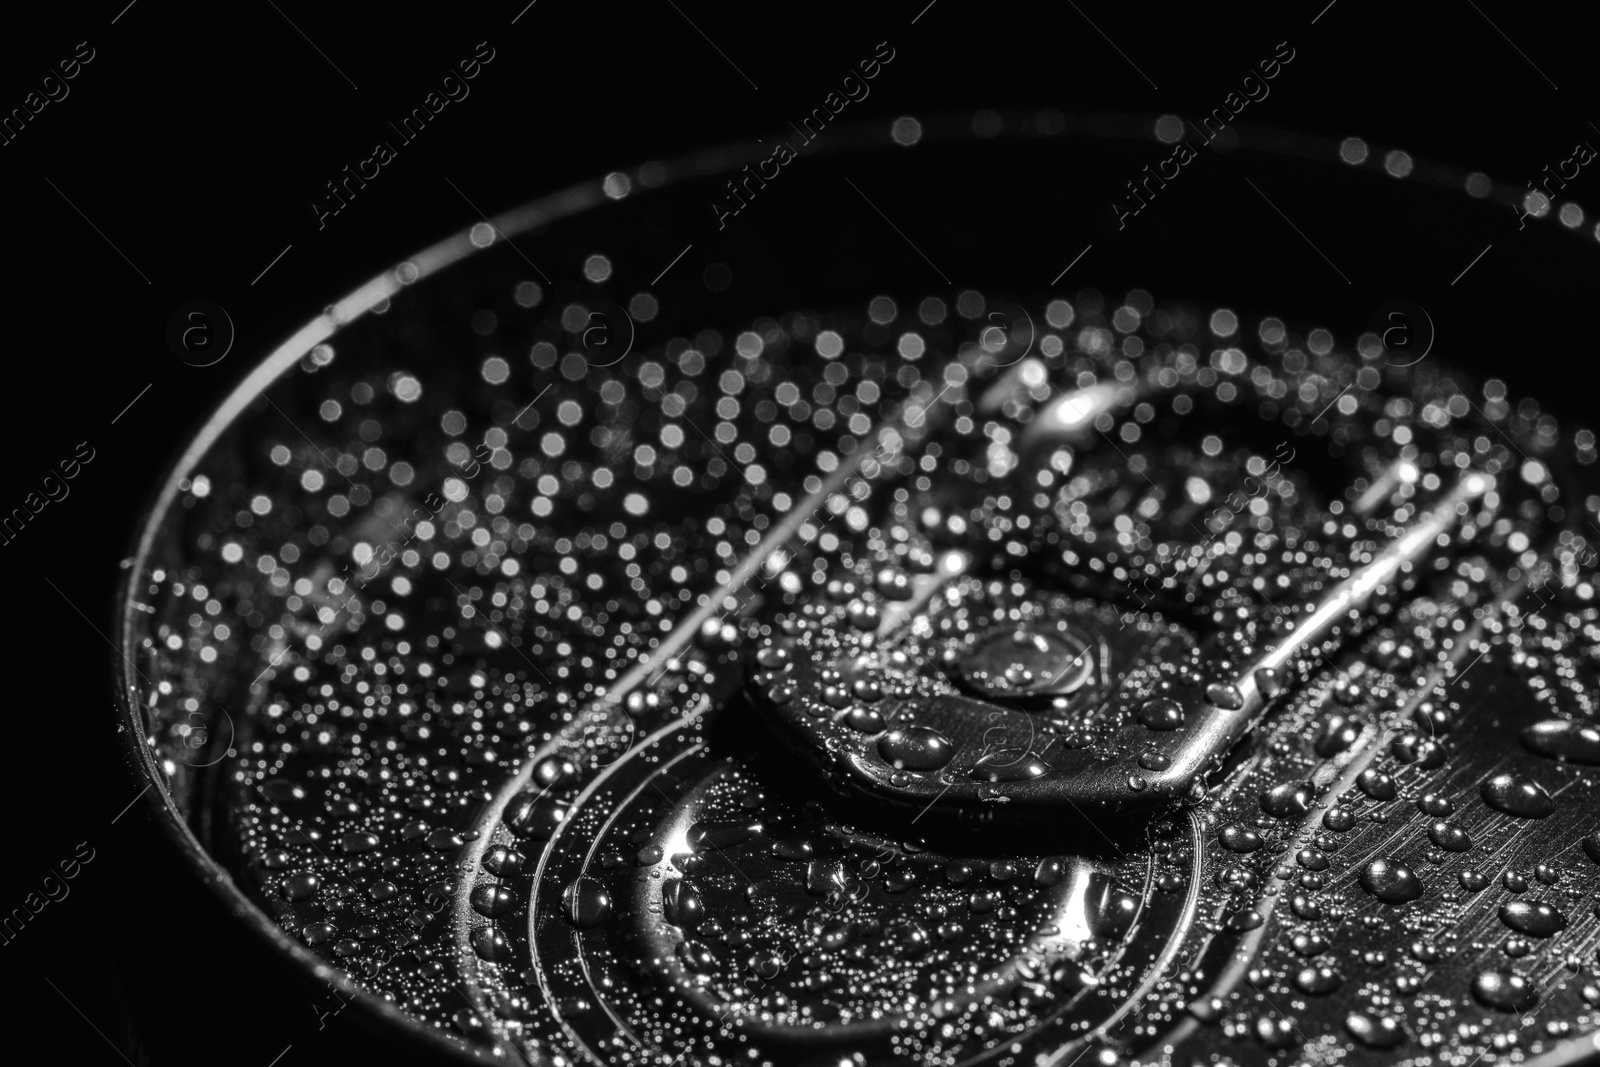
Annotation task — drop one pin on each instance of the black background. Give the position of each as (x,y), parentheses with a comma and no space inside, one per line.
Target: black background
(198,135)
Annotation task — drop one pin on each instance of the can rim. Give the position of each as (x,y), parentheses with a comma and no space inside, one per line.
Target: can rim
(570,201)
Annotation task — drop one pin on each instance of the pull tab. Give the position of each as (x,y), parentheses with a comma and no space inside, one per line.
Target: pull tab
(960,731)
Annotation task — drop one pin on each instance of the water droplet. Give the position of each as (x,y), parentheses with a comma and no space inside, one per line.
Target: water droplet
(532,817)
(1339,819)
(493,901)
(1151,760)
(1275,1031)
(915,748)
(281,790)
(490,944)
(1049,872)
(1025,662)
(1225,695)
(1473,881)
(586,903)
(1435,805)
(696,956)
(467,1021)
(1337,733)
(793,848)
(300,886)
(503,861)
(1517,795)
(1112,914)
(912,939)
(1376,784)
(824,877)
(1391,881)
(1532,917)
(1162,713)
(1348,694)
(719,834)
(681,905)
(1269,682)
(444,840)
(1422,751)
(774,656)
(839,589)
(1070,977)
(1504,991)
(553,772)
(868,689)
(864,615)
(1318,980)
(1375,1031)
(1291,800)
(1311,859)
(1239,839)
(357,842)
(1436,720)
(1591,846)
(1448,837)
(899,880)
(836,935)
(895,584)
(1564,740)
(1235,878)
(864,721)
(1309,943)
(1308,908)
(1426,952)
